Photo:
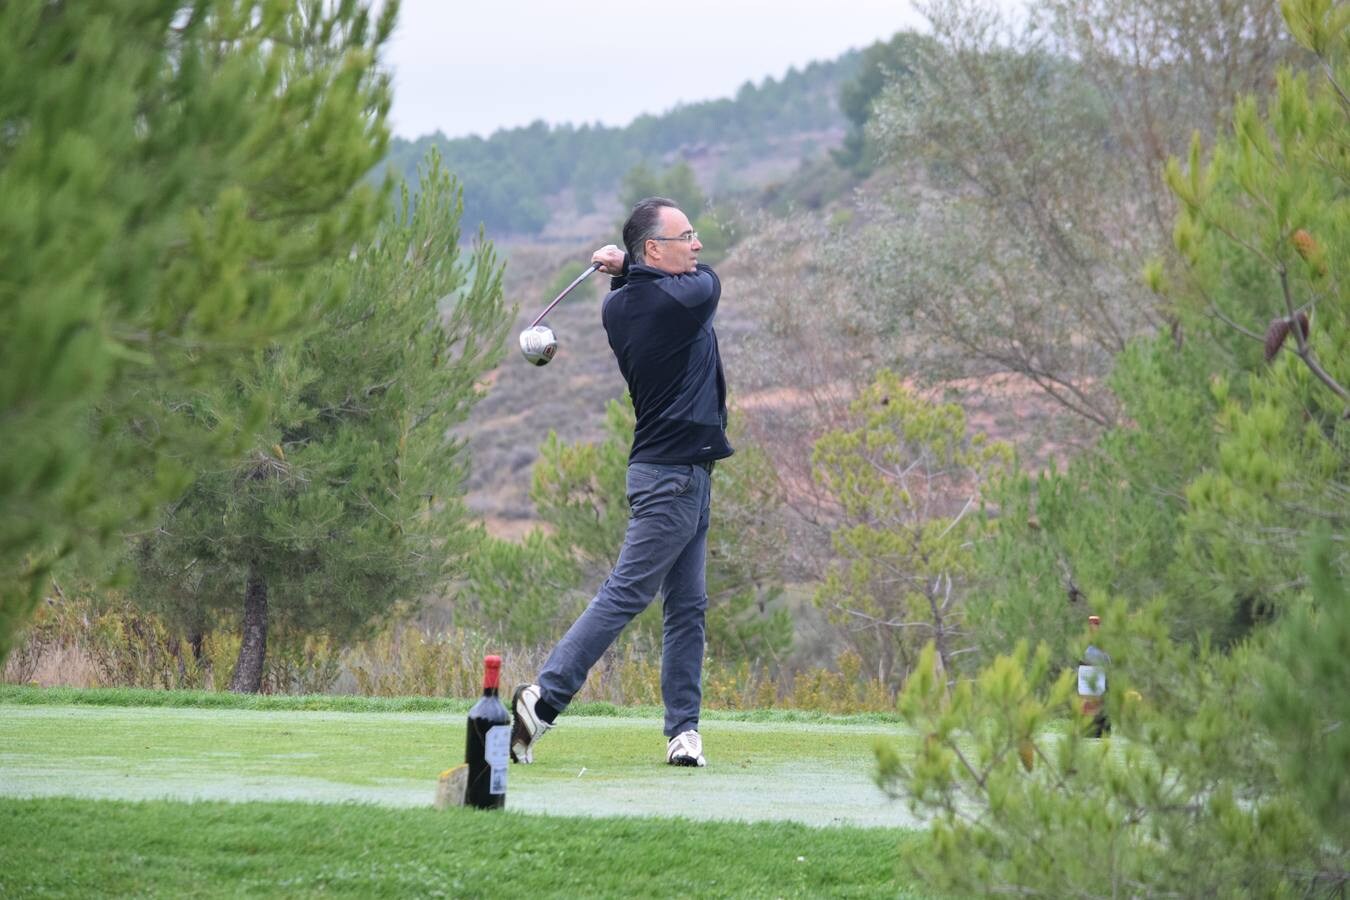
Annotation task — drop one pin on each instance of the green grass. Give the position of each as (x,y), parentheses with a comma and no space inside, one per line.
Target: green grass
(82,848)
(817,773)
(26,695)
(93,801)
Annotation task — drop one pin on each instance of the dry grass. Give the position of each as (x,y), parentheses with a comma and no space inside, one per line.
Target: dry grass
(122,647)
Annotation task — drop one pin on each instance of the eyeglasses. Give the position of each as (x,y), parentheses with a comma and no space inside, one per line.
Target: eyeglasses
(688,237)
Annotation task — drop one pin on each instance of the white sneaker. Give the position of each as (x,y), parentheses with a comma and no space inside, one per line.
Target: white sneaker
(526,726)
(685,749)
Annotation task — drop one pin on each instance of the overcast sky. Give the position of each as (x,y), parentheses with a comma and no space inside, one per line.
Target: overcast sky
(471,67)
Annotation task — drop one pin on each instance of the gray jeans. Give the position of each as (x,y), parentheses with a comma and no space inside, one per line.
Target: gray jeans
(665,548)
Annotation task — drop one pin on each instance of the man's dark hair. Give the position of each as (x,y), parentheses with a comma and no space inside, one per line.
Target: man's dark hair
(642,225)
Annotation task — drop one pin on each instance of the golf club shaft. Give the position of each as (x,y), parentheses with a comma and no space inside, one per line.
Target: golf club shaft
(565,291)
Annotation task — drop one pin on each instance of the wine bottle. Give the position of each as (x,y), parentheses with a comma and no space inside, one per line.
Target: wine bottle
(1092,684)
(488,746)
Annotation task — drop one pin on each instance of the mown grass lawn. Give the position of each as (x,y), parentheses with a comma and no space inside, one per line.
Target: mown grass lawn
(62,847)
(97,798)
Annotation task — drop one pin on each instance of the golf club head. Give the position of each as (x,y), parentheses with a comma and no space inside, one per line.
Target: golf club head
(538,344)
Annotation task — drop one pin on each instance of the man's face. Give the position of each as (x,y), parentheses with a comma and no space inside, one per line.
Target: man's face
(675,252)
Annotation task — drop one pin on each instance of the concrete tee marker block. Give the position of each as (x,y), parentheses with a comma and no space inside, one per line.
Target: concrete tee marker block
(451,786)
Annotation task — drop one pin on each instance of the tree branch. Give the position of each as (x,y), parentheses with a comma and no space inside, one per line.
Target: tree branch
(1304,350)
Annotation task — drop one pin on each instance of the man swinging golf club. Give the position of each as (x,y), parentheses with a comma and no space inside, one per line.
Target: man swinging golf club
(659,319)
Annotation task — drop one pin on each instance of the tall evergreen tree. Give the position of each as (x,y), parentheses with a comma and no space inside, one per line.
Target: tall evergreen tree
(883,64)
(677,183)
(172,175)
(1211,535)
(348,502)
(1236,452)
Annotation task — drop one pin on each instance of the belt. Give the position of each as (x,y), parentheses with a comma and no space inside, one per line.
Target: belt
(706,465)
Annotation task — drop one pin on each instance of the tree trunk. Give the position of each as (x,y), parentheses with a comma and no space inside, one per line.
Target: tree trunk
(248,670)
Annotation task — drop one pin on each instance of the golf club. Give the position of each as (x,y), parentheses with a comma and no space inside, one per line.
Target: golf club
(537,342)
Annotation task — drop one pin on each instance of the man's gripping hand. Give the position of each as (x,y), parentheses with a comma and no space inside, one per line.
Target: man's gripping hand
(610,259)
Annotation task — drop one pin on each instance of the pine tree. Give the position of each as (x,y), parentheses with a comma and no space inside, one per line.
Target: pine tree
(1263,229)
(677,183)
(347,507)
(883,65)
(1236,452)
(172,175)
(1210,535)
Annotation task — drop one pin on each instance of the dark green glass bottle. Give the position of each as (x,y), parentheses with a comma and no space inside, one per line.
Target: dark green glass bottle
(488,745)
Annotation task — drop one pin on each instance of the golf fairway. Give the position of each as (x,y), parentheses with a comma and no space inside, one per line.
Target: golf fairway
(814,774)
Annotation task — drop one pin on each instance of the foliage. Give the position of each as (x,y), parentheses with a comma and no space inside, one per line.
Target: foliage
(1230,463)
(522,592)
(1204,797)
(507,174)
(747,541)
(580,490)
(1263,231)
(131,648)
(1210,532)
(1109,524)
(408,661)
(348,503)
(1163,69)
(300,663)
(1017,271)
(846,691)
(815,185)
(1044,137)
(166,208)
(120,647)
(1303,705)
(677,183)
(907,480)
(45,633)
(883,64)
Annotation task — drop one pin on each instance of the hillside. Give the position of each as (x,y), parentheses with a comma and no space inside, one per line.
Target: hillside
(523,403)
(793,203)
(537,181)
(549,196)
(569,396)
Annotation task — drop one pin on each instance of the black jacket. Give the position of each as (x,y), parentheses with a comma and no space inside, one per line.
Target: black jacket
(660,327)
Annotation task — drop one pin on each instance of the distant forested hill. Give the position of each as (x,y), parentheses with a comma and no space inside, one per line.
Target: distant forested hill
(513,179)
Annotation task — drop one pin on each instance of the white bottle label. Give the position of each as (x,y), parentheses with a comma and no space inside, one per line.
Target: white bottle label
(497,750)
(1091,681)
